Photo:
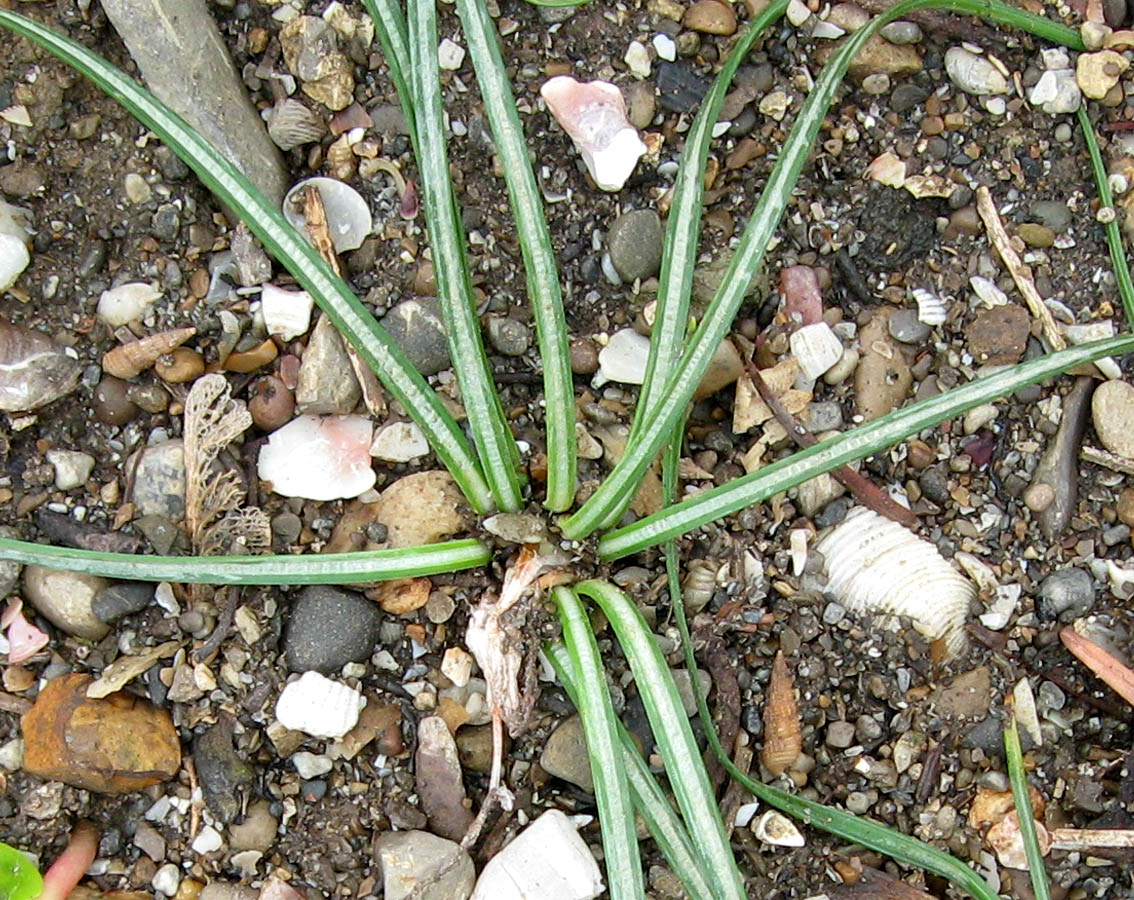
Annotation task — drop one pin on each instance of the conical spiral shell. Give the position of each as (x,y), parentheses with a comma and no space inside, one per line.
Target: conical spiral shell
(783,732)
(875,565)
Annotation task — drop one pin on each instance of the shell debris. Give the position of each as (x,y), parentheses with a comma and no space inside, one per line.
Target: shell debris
(875,565)
(931,309)
(318,706)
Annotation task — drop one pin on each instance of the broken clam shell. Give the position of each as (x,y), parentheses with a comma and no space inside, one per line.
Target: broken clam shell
(593,113)
(875,565)
(291,124)
(318,706)
(348,216)
(816,348)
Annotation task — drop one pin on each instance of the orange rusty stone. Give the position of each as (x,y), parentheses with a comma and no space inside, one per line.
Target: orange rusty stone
(115,745)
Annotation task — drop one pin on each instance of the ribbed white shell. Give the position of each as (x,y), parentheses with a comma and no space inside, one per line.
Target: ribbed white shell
(875,565)
(318,706)
(931,309)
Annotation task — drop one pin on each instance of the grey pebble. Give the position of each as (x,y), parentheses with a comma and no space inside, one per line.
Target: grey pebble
(935,485)
(166,222)
(1066,594)
(634,242)
(120,600)
(823,415)
(508,337)
(833,513)
(159,480)
(286,526)
(858,803)
(906,327)
(419,329)
(907,96)
(329,628)
(833,613)
(840,735)
(92,259)
(1055,214)
(679,88)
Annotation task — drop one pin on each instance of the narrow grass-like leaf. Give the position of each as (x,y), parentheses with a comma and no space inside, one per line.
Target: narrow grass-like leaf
(1112,229)
(749,255)
(671,730)
(390,24)
(314,568)
(845,825)
(683,225)
(1024,812)
(651,803)
(491,435)
(682,234)
(345,310)
(612,792)
(535,243)
(845,448)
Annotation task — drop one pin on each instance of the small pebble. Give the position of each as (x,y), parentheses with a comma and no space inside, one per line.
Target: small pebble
(905,326)
(840,735)
(1038,497)
(1066,594)
(508,337)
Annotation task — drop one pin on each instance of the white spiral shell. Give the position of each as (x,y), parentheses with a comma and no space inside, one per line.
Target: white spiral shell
(931,309)
(316,705)
(875,565)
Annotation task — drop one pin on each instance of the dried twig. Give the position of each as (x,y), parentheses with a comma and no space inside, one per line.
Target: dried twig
(1020,273)
(864,490)
(1110,669)
(1107,459)
(208,650)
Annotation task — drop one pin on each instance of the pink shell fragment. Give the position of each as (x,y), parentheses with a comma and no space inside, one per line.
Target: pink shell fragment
(802,299)
(593,114)
(24,639)
(319,458)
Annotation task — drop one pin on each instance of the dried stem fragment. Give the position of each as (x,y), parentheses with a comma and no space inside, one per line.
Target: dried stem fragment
(783,732)
(1102,663)
(1020,273)
(864,490)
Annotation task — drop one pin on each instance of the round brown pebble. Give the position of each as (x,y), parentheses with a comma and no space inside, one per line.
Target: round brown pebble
(966,220)
(272,405)
(584,356)
(111,405)
(1125,507)
(179,366)
(710,17)
(921,454)
(1035,235)
(1039,496)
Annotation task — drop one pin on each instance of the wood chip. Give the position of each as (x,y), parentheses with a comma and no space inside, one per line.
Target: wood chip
(1020,273)
(126,668)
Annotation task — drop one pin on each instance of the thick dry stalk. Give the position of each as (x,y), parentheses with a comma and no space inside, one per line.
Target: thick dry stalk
(1110,669)
(864,490)
(1020,273)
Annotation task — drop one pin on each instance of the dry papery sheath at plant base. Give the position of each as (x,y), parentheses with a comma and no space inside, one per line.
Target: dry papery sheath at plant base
(486,466)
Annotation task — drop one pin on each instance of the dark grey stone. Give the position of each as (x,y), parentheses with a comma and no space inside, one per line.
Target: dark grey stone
(1066,594)
(635,244)
(419,329)
(120,600)
(220,771)
(329,628)
(508,336)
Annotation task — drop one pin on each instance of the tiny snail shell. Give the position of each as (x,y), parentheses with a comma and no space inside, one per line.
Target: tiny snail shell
(875,565)
(132,359)
(699,585)
(783,730)
(931,309)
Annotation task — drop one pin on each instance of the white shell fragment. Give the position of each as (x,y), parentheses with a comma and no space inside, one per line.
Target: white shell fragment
(14,237)
(318,706)
(286,313)
(548,861)
(348,215)
(624,357)
(887,169)
(776,829)
(931,309)
(125,303)
(987,292)
(399,442)
(593,114)
(319,458)
(816,348)
(875,565)
(974,74)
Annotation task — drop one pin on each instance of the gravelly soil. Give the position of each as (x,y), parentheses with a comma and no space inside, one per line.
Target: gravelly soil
(89,236)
